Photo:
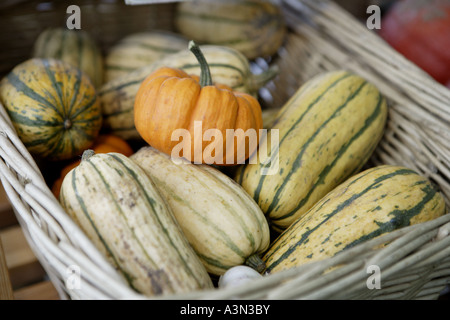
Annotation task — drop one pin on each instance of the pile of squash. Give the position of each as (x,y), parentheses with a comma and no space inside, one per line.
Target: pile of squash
(176,226)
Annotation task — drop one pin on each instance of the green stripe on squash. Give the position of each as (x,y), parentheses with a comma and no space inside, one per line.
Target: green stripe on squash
(48,99)
(117,205)
(255,28)
(327,132)
(368,205)
(227,66)
(76,47)
(220,220)
(137,50)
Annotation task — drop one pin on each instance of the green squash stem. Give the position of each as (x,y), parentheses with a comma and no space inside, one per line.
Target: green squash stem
(255,262)
(87,154)
(205,74)
(67,124)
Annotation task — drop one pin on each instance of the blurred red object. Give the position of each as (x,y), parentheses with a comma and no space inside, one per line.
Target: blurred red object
(420,30)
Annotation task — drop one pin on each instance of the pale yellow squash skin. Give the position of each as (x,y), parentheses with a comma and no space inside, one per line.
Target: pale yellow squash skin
(254,27)
(119,208)
(140,49)
(221,221)
(367,205)
(326,133)
(227,66)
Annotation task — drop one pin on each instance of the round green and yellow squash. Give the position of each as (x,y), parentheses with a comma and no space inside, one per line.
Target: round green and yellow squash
(367,205)
(222,222)
(119,208)
(53,106)
(76,47)
(140,49)
(227,66)
(254,27)
(324,134)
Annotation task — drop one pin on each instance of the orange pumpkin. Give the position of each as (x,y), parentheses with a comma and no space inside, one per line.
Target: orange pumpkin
(199,118)
(103,144)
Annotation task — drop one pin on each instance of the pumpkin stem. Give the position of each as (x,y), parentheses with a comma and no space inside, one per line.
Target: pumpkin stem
(67,124)
(205,74)
(87,154)
(255,262)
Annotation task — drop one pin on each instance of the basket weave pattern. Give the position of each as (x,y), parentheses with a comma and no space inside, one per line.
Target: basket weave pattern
(416,263)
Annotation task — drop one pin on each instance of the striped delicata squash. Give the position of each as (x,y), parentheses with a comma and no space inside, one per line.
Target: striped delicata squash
(119,208)
(137,50)
(367,205)
(326,132)
(221,221)
(76,47)
(254,27)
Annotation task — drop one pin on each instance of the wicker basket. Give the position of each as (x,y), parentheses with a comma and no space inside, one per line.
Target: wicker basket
(416,263)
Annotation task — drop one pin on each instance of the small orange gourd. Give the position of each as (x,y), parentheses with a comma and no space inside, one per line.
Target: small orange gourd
(211,118)
(103,144)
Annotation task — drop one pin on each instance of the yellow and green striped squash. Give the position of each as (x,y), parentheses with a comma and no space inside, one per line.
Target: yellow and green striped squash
(254,27)
(140,49)
(367,205)
(119,208)
(77,47)
(222,222)
(53,106)
(326,132)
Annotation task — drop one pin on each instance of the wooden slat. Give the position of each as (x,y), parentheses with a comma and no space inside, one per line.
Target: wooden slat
(17,251)
(26,277)
(40,291)
(27,274)
(23,266)
(6,292)
(7,216)
(21,275)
